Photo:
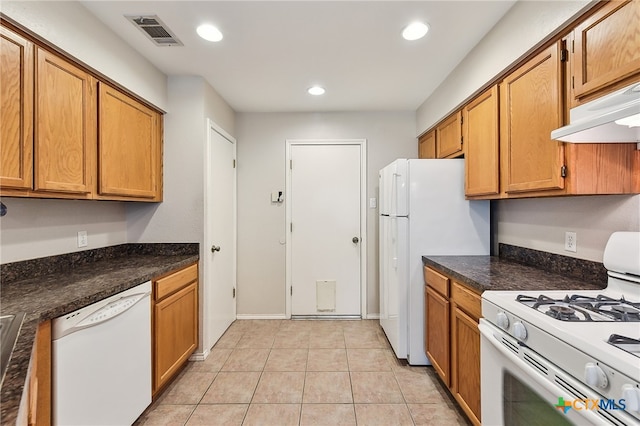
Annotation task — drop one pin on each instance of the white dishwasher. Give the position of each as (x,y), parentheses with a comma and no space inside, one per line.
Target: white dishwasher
(102,361)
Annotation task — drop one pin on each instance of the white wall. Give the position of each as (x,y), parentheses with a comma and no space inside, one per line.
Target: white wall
(36,228)
(180,217)
(261,170)
(540,224)
(537,223)
(69,26)
(523,26)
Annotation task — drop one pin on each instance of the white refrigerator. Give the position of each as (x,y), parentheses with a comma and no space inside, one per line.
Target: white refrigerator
(423,211)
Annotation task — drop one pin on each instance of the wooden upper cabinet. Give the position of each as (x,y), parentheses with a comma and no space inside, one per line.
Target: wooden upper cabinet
(531,106)
(16,97)
(480,132)
(449,137)
(427,145)
(607,49)
(64,126)
(129,147)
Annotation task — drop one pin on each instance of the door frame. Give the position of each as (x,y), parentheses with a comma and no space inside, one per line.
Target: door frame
(363,216)
(207,340)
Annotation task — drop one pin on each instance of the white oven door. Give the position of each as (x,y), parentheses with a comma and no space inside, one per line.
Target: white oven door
(519,387)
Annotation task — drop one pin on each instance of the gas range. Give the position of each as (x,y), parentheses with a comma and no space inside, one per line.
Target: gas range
(592,336)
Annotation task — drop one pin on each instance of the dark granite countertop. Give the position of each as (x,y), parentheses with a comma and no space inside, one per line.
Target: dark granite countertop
(84,278)
(497,273)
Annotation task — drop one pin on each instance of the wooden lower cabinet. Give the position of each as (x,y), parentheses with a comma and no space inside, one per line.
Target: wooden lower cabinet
(437,332)
(39,383)
(452,339)
(465,362)
(175,323)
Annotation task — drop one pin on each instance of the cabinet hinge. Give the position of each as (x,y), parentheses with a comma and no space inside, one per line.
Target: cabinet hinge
(461,140)
(234,292)
(291,290)
(290,164)
(234,163)
(291,227)
(564,55)
(573,82)
(563,171)
(462,120)
(573,46)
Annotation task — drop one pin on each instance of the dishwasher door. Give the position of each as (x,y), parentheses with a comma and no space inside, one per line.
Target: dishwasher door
(102,361)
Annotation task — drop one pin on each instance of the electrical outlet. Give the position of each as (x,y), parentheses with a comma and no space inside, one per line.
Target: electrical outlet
(570,242)
(83,240)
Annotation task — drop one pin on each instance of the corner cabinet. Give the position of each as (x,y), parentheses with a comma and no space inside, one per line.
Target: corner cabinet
(427,145)
(129,147)
(452,338)
(175,323)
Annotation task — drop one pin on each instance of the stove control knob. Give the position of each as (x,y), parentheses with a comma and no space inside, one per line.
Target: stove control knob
(502,320)
(519,331)
(594,376)
(631,396)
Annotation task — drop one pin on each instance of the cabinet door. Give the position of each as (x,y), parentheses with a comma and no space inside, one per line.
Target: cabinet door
(607,47)
(465,372)
(64,126)
(449,137)
(16,111)
(481,144)
(437,332)
(175,332)
(129,150)
(530,108)
(427,145)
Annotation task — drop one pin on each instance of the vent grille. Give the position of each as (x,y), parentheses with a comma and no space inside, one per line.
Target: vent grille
(155,30)
(536,364)
(512,347)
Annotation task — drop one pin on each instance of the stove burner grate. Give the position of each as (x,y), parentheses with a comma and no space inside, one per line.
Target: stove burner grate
(584,308)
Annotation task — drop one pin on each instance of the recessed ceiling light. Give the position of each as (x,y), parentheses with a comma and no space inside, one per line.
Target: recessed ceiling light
(415,31)
(316,90)
(209,32)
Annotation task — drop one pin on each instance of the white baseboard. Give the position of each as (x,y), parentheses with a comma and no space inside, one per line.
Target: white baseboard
(373,316)
(260,317)
(199,356)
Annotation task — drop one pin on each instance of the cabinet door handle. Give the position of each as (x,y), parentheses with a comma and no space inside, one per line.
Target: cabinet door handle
(215,249)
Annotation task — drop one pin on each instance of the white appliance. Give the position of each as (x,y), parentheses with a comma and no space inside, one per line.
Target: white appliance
(612,118)
(423,211)
(570,357)
(102,361)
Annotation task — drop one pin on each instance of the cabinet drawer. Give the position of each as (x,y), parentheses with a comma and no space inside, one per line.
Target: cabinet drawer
(466,299)
(437,281)
(171,283)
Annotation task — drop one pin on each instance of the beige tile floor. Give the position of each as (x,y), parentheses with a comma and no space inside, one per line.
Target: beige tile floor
(304,372)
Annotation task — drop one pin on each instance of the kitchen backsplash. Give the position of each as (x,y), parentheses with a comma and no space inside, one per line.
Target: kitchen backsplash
(586,270)
(33,268)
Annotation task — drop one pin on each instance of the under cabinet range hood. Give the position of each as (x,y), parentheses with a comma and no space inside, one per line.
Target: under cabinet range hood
(612,118)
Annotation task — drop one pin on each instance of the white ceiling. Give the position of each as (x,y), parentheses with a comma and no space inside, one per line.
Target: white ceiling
(273,51)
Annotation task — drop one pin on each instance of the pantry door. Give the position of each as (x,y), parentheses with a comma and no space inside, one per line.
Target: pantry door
(326,223)
(219,291)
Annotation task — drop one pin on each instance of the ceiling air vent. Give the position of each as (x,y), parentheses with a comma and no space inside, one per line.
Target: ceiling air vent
(155,30)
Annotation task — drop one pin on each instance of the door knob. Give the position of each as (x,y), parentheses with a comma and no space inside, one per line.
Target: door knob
(215,248)
(355,240)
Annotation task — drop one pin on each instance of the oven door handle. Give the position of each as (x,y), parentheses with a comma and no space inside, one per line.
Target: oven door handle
(490,333)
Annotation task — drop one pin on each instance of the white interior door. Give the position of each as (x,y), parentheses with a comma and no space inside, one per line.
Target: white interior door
(325,230)
(221,235)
